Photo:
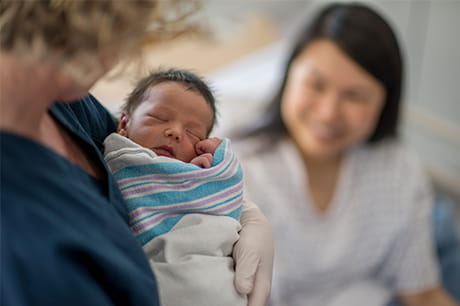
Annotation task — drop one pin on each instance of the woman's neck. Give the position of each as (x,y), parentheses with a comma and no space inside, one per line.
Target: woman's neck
(26,93)
(322,163)
(323,174)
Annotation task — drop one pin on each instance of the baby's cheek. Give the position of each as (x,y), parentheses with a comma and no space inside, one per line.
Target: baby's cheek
(186,152)
(192,151)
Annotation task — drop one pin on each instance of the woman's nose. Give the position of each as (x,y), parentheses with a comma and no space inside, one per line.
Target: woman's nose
(328,108)
(174,133)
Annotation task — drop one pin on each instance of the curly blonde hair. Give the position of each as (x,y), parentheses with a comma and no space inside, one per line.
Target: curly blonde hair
(79,32)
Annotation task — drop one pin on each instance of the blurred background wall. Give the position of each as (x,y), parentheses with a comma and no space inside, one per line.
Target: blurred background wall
(243,54)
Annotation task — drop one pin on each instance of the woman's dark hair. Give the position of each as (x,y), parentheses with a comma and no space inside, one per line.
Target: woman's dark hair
(190,80)
(367,39)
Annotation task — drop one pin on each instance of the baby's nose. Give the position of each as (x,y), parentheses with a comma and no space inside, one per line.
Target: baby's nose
(174,133)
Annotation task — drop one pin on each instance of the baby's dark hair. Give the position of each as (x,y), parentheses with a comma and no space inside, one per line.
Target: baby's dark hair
(190,80)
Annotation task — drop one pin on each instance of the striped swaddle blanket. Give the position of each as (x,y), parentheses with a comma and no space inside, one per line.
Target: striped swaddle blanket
(159,190)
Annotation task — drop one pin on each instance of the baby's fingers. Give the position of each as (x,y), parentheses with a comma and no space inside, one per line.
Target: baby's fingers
(207,145)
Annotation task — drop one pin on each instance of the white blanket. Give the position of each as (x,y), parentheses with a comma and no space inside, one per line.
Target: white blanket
(193,263)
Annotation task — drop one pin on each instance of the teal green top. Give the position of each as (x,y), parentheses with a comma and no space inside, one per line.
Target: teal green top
(65,239)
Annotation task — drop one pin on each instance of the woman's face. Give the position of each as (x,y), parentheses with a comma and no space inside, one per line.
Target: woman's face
(329,103)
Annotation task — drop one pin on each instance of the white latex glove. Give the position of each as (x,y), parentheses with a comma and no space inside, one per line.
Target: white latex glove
(253,255)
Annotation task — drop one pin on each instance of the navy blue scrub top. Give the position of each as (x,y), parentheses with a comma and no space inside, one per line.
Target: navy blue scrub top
(65,239)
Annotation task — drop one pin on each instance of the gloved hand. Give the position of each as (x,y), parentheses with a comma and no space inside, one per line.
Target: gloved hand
(253,255)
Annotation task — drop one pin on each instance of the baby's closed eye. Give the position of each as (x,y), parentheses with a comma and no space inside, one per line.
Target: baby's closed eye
(158,117)
(194,134)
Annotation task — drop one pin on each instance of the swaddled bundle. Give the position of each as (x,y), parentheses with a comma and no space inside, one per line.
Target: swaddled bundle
(159,190)
(186,217)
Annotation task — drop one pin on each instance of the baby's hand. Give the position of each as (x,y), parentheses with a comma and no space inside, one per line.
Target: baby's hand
(208,145)
(203,160)
(205,149)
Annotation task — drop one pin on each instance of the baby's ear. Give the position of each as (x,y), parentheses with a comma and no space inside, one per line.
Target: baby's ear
(122,128)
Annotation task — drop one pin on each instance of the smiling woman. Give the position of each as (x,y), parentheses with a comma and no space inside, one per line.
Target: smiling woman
(349,206)
(326,108)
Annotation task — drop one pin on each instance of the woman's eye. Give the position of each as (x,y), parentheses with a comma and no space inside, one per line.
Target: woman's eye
(356,97)
(315,85)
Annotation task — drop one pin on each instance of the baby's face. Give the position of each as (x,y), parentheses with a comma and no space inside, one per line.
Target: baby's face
(170,121)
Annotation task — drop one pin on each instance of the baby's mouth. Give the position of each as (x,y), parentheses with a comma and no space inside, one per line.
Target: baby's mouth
(164,151)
